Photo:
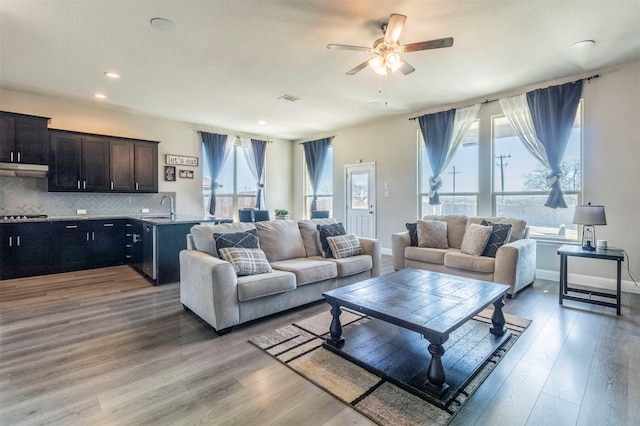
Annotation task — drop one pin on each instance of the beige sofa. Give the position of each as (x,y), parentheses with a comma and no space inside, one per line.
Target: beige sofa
(210,288)
(514,264)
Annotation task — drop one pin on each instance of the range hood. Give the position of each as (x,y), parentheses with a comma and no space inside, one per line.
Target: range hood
(23,170)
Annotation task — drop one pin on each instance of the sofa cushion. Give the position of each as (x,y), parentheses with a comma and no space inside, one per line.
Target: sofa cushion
(255,286)
(202,235)
(246,239)
(246,261)
(343,246)
(306,270)
(280,239)
(475,239)
(432,234)
(456,225)
(500,235)
(324,231)
(353,265)
(454,259)
(423,254)
(308,232)
(413,233)
(518,229)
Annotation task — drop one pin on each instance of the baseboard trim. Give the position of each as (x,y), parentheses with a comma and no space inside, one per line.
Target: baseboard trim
(589,281)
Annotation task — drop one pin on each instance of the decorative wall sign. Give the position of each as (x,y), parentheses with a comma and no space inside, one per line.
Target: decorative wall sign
(181,160)
(170,173)
(188,174)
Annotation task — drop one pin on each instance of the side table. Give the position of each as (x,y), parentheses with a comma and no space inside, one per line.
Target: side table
(606,254)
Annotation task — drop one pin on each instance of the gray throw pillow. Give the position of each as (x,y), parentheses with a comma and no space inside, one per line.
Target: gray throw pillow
(500,235)
(475,239)
(246,261)
(331,230)
(432,234)
(246,239)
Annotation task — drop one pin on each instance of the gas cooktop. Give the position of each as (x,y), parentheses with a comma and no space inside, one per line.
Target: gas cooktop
(22,217)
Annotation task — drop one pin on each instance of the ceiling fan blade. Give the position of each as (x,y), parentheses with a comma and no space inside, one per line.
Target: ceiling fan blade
(394,28)
(406,68)
(426,45)
(348,47)
(358,68)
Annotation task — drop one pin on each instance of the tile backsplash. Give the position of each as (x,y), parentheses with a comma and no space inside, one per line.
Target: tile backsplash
(23,195)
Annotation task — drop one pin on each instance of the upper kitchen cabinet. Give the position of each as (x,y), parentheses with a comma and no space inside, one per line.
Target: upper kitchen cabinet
(95,163)
(24,138)
(134,166)
(78,162)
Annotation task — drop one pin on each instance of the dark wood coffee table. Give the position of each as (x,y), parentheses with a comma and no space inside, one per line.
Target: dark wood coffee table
(429,303)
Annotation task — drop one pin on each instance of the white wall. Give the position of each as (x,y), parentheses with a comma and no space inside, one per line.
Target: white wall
(175,137)
(611,156)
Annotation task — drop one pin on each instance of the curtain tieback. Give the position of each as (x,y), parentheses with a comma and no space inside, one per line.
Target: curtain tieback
(259,185)
(552,179)
(434,184)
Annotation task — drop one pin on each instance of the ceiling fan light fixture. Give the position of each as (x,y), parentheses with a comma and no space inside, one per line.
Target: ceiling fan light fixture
(377,64)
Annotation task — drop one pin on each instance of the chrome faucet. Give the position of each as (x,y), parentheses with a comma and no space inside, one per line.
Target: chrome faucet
(173,210)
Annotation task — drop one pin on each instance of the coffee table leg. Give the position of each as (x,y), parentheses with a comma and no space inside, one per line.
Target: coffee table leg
(435,373)
(497,319)
(335,330)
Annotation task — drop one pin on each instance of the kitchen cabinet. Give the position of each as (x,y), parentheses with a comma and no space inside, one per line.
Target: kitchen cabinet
(24,249)
(133,243)
(78,163)
(24,138)
(134,166)
(82,162)
(85,244)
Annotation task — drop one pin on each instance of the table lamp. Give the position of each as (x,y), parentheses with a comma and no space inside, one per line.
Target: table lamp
(588,216)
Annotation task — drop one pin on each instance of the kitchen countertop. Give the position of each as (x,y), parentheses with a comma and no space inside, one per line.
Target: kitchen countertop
(155,219)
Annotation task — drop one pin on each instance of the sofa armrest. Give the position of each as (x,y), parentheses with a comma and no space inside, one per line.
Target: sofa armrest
(371,247)
(399,241)
(516,264)
(208,287)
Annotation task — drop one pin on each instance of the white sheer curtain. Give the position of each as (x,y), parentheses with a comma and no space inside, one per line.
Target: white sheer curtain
(463,120)
(516,109)
(250,159)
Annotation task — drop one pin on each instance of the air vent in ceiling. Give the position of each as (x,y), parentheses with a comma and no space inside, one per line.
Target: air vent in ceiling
(289,98)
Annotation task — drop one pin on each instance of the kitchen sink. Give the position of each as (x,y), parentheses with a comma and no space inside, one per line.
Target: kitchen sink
(159,216)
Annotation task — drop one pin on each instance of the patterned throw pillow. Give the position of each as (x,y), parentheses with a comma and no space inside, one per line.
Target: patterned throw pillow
(247,239)
(475,239)
(413,233)
(324,231)
(344,246)
(246,261)
(500,236)
(432,234)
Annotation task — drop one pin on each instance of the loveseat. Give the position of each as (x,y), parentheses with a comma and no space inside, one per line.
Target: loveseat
(511,261)
(214,290)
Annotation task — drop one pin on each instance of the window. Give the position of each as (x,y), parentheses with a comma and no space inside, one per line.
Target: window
(520,189)
(459,191)
(237,187)
(325,188)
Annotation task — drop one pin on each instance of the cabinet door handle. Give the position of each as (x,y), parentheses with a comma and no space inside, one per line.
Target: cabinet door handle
(84,184)
(87,236)
(93,236)
(112,186)
(18,240)
(12,156)
(78,184)
(106,225)
(136,186)
(71,226)
(10,241)
(18,156)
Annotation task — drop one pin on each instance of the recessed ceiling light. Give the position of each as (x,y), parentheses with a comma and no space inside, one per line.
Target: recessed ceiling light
(100,95)
(262,122)
(162,24)
(114,75)
(582,45)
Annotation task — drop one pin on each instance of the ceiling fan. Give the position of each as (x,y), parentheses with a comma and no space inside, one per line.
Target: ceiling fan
(387,49)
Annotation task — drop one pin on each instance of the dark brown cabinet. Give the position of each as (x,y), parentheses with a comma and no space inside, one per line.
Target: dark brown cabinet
(24,249)
(95,163)
(24,138)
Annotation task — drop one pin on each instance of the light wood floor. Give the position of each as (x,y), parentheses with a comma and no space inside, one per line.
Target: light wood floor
(104,347)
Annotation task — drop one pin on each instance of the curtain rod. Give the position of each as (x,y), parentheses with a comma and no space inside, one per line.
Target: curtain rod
(487,101)
(239,137)
(331,137)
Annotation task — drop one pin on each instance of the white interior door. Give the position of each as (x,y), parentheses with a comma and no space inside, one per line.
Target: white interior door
(361,199)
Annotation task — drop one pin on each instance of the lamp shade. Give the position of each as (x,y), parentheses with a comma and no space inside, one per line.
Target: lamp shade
(589,215)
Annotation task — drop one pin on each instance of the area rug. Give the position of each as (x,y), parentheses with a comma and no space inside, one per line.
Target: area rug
(299,346)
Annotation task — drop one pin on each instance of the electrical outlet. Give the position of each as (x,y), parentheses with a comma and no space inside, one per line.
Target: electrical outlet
(81,211)
(145,210)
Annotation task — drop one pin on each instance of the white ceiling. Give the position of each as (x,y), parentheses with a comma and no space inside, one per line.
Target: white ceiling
(229,61)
